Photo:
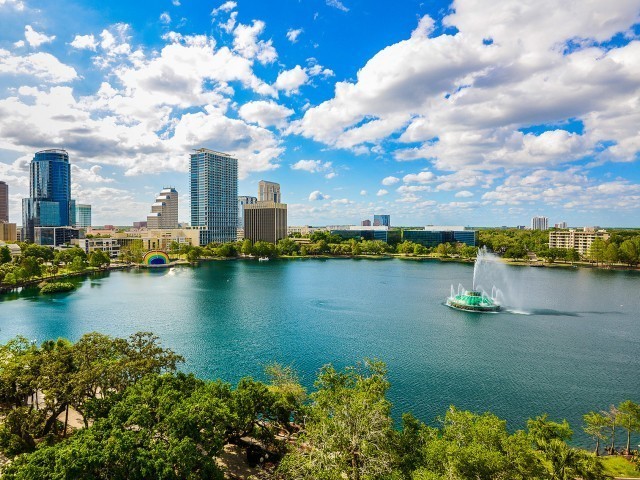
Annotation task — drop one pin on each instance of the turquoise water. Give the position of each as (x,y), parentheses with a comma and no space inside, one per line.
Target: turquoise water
(577,348)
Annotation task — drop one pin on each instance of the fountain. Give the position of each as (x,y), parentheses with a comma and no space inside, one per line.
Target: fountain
(476,299)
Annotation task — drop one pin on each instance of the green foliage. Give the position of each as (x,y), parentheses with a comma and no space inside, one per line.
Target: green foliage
(99,259)
(5,255)
(286,246)
(56,287)
(247,247)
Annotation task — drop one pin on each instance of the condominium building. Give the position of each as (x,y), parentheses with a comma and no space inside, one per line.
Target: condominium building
(539,223)
(269,192)
(265,221)
(242,201)
(561,225)
(579,240)
(4,202)
(382,220)
(214,195)
(164,212)
(83,215)
(49,203)
(110,246)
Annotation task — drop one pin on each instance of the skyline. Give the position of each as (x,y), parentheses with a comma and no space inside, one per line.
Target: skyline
(457,111)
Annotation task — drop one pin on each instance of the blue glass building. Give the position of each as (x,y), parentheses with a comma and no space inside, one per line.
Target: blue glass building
(49,203)
(433,238)
(214,195)
(382,220)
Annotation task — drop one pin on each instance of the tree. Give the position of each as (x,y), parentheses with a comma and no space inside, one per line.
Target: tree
(629,252)
(5,255)
(612,418)
(78,264)
(286,246)
(629,418)
(98,259)
(349,431)
(31,267)
(611,254)
(572,255)
(247,247)
(597,250)
(595,423)
(264,249)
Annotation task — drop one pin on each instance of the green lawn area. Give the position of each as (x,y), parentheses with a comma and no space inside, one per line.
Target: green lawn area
(617,466)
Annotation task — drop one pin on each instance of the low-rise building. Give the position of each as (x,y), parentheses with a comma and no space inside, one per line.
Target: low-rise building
(14,248)
(434,235)
(111,246)
(579,240)
(55,236)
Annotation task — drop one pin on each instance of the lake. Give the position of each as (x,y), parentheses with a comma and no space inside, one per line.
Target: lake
(573,346)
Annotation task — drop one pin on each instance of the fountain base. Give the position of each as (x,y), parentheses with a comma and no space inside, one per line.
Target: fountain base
(473,301)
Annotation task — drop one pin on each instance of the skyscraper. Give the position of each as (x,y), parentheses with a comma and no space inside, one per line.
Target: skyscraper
(49,203)
(242,201)
(214,195)
(269,192)
(539,223)
(4,202)
(382,220)
(83,215)
(164,212)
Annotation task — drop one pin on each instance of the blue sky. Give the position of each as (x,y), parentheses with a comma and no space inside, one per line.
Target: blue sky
(467,112)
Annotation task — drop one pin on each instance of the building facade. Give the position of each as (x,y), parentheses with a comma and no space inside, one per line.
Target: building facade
(365,223)
(539,223)
(8,232)
(54,236)
(242,201)
(214,195)
(265,221)
(382,220)
(4,202)
(49,203)
(83,215)
(432,236)
(164,212)
(579,240)
(269,192)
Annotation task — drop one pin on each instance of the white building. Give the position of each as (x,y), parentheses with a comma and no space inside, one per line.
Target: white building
(579,240)
(164,212)
(540,223)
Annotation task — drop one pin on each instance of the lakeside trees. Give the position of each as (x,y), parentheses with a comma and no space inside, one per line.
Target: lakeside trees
(143,420)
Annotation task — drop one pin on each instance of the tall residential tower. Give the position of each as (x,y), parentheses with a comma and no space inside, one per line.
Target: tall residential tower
(4,202)
(83,215)
(214,195)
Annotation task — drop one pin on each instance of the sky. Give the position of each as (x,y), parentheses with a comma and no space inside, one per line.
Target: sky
(471,112)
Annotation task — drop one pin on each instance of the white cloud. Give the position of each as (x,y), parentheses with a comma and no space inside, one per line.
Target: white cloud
(84,42)
(165,18)
(246,43)
(293,34)
(387,181)
(176,3)
(422,177)
(81,175)
(36,39)
(19,44)
(17,4)
(464,194)
(468,95)
(363,192)
(337,4)
(312,166)
(265,113)
(317,195)
(382,192)
(40,65)
(225,7)
(291,80)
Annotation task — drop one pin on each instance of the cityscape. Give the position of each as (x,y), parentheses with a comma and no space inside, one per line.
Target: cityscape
(320,240)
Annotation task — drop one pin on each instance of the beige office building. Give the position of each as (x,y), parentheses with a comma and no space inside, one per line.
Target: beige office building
(579,240)
(269,192)
(265,221)
(8,232)
(164,212)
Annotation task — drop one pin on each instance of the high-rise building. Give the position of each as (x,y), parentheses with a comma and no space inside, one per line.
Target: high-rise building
(49,203)
(83,215)
(365,223)
(214,195)
(164,212)
(539,223)
(4,202)
(382,220)
(242,201)
(265,221)
(8,232)
(269,192)
(561,225)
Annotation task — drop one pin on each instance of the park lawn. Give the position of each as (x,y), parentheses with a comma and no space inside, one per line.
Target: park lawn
(618,466)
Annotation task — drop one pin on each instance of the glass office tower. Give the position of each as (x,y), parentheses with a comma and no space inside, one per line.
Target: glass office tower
(214,195)
(49,204)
